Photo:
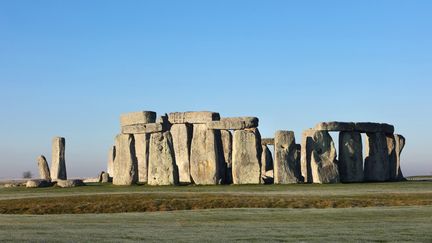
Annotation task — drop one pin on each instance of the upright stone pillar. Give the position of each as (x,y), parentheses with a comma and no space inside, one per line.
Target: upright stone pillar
(323,159)
(392,157)
(376,167)
(246,164)
(125,164)
(58,163)
(142,155)
(350,157)
(111,158)
(266,164)
(204,157)
(226,137)
(306,153)
(286,167)
(162,166)
(44,172)
(182,136)
(400,144)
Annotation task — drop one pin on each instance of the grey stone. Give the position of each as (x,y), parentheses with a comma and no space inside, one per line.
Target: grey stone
(371,127)
(204,156)
(267,141)
(104,178)
(376,167)
(246,161)
(193,117)
(387,128)
(306,154)
(143,128)
(392,159)
(140,117)
(125,164)
(226,137)
(335,126)
(142,155)
(58,163)
(266,161)
(162,165)
(350,157)
(234,123)
(38,183)
(44,172)
(69,183)
(182,137)
(111,158)
(286,166)
(400,144)
(323,159)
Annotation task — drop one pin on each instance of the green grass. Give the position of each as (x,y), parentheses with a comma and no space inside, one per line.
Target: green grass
(264,225)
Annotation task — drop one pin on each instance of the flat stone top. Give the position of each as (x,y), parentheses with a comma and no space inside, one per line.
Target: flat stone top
(234,123)
(140,117)
(198,117)
(363,127)
(267,141)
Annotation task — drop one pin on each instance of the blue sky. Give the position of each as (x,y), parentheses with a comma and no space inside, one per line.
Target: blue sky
(70,68)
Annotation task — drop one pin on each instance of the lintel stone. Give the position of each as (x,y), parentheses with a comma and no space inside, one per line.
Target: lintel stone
(234,123)
(140,117)
(193,117)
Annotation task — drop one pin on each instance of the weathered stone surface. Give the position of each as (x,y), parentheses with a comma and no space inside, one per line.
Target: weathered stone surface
(125,163)
(104,177)
(205,154)
(193,117)
(111,158)
(335,126)
(143,128)
(38,183)
(392,159)
(286,167)
(371,127)
(58,163)
(226,138)
(376,167)
(140,117)
(44,172)
(182,137)
(162,166)
(266,161)
(323,159)
(387,128)
(234,123)
(69,183)
(142,155)
(400,144)
(350,157)
(306,153)
(246,161)
(267,141)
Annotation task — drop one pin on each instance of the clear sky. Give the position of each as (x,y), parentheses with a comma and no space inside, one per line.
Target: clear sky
(70,68)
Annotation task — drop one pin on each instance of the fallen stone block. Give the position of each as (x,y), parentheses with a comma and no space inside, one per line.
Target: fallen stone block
(38,183)
(193,117)
(234,123)
(140,117)
(69,183)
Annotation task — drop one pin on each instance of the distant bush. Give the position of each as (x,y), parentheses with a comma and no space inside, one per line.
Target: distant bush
(27,175)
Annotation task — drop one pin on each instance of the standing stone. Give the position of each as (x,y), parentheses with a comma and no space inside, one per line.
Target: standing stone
(400,144)
(44,172)
(142,155)
(162,165)
(323,159)
(125,164)
(376,167)
(58,163)
(350,157)
(306,153)
(392,158)
(182,136)
(266,162)
(246,164)
(226,137)
(204,156)
(111,158)
(286,167)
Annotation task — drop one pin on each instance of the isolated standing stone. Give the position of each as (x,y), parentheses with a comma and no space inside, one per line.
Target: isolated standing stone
(44,172)
(142,155)
(58,163)
(182,136)
(400,144)
(205,155)
(306,153)
(286,168)
(266,161)
(246,164)
(350,157)
(162,165)
(125,164)
(376,167)
(323,159)
(111,158)
(226,137)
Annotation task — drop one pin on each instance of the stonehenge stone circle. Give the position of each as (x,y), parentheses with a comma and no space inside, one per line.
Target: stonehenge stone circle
(286,167)
(141,117)
(58,163)
(125,163)
(44,172)
(350,157)
(234,123)
(142,155)
(376,166)
(227,141)
(246,161)
(181,139)
(162,166)
(323,159)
